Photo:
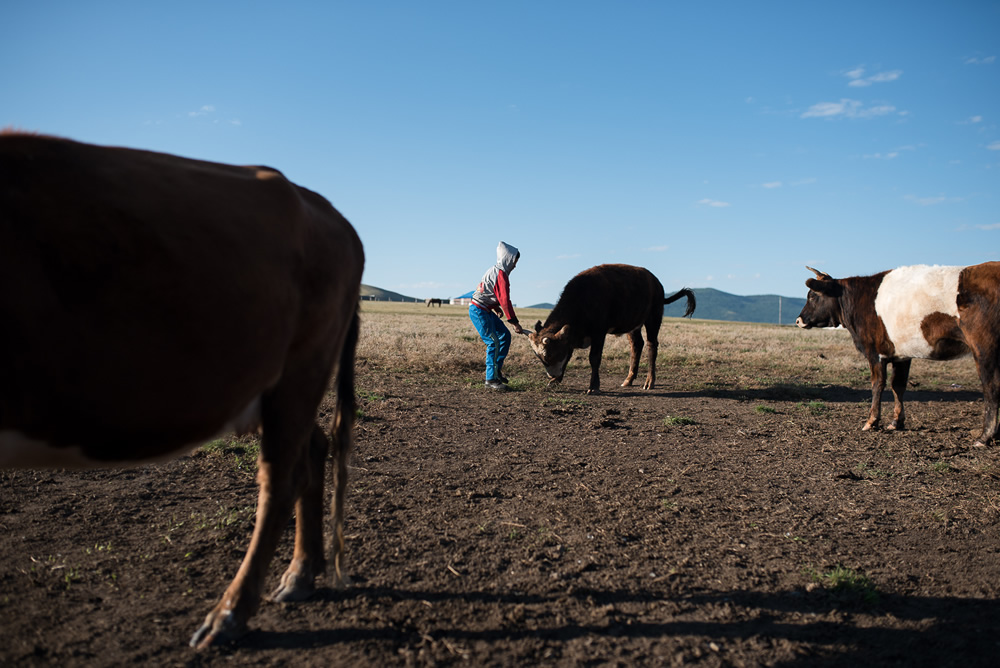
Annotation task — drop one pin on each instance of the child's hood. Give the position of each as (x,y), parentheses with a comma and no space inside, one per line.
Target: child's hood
(506,254)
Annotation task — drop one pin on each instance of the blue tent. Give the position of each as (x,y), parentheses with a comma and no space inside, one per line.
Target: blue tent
(467,295)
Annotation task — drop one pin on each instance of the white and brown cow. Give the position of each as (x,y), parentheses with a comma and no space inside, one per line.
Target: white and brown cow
(937,313)
(151,302)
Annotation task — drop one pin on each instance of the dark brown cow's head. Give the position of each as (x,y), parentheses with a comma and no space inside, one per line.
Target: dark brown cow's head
(822,307)
(553,348)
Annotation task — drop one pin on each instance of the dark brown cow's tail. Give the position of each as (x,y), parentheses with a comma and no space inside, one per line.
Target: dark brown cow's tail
(684,292)
(343,438)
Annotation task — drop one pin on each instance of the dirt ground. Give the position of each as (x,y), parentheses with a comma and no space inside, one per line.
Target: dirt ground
(721,526)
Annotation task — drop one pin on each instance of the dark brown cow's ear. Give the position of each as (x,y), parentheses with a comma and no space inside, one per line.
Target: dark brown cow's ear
(829,288)
(538,326)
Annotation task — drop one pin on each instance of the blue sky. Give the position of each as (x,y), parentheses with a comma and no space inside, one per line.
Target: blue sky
(719,144)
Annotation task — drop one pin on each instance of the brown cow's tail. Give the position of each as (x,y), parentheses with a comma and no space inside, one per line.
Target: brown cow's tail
(684,292)
(343,438)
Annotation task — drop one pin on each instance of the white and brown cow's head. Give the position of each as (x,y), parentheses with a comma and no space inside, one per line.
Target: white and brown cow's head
(822,307)
(553,348)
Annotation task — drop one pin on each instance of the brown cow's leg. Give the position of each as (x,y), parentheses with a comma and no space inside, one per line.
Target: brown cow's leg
(596,352)
(287,418)
(879,367)
(227,621)
(988,364)
(900,375)
(654,346)
(308,562)
(635,353)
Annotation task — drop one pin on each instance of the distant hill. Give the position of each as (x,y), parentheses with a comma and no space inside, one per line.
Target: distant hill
(370,292)
(717,305)
(712,305)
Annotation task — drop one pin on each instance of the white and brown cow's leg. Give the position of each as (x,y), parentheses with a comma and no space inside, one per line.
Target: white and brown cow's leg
(900,376)
(635,353)
(309,561)
(879,367)
(988,363)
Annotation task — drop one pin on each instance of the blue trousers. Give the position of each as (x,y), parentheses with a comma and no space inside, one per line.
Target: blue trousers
(495,335)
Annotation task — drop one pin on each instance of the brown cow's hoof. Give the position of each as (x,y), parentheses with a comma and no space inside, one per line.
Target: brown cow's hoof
(293,588)
(218,630)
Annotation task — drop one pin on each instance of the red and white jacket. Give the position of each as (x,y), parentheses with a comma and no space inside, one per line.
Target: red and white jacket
(493,293)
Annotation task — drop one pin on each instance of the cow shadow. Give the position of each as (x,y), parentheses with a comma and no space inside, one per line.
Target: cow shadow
(803,392)
(831,630)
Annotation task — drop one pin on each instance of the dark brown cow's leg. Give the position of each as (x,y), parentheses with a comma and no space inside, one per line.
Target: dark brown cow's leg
(596,352)
(635,354)
(309,561)
(900,376)
(879,367)
(654,347)
(287,420)
(653,339)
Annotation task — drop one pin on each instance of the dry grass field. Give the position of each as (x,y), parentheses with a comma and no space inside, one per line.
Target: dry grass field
(735,515)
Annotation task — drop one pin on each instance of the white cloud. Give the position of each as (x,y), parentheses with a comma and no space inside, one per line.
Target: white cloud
(771,184)
(204,111)
(882,156)
(931,201)
(882,77)
(975,60)
(712,202)
(994,226)
(803,182)
(847,108)
(993,146)
(859,80)
(976,119)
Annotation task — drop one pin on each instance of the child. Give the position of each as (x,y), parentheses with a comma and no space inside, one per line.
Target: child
(493,294)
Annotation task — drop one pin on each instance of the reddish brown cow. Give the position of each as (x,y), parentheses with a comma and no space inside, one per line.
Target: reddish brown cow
(607,299)
(151,302)
(937,313)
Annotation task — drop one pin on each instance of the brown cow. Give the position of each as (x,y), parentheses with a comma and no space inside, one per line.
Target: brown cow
(607,299)
(937,313)
(152,302)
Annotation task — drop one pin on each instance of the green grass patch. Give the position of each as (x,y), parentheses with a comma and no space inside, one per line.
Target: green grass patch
(848,584)
(677,421)
(815,407)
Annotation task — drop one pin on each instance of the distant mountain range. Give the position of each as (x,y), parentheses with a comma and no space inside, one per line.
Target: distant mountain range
(712,305)
(717,305)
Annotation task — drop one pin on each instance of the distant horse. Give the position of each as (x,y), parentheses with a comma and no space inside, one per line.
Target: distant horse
(434,300)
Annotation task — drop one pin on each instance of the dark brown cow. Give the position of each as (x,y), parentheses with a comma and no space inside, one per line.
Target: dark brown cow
(152,302)
(937,313)
(607,299)
(432,301)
